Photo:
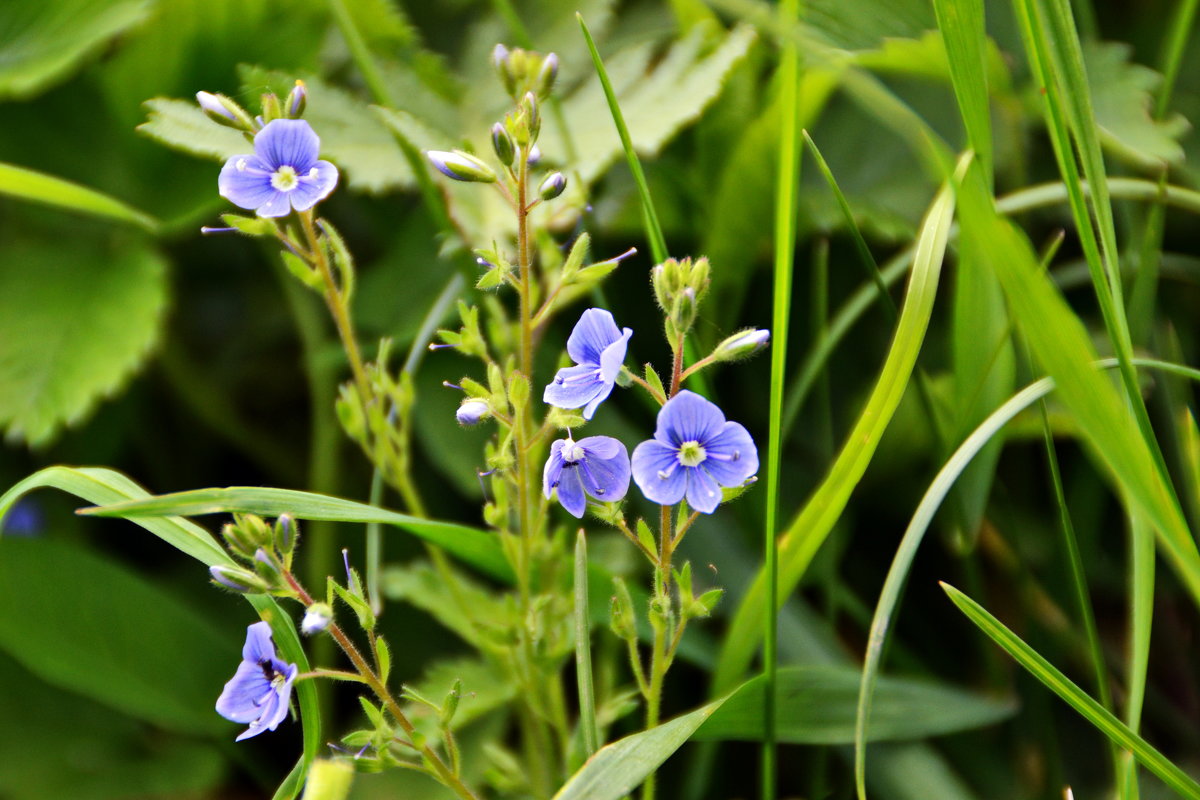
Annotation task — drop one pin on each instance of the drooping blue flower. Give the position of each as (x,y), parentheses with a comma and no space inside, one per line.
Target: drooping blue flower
(282,174)
(258,692)
(598,349)
(596,466)
(693,454)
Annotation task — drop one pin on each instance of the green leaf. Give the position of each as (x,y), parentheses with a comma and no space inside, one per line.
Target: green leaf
(658,96)
(817,703)
(106,486)
(471,545)
(137,761)
(182,125)
(38,187)
(41,41)
(79,319)
(616,769)
(1093,712)
(1122,100)
(112,636)
(809,529)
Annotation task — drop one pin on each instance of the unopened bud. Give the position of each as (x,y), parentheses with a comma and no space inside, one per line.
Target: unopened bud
(533,116)
(501,62)
(271,107)
(535,156)
(236,579)
(683,310)
(297,100)
(553,186)
(472,412)
(547,75)
(741,345)
(502,143)
(224,111)
(622,621)
(461,166)
(286,533)
(316,618)
(238,541)
(268,568)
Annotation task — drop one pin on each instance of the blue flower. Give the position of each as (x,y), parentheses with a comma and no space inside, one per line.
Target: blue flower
(598,350)
(597,466)
(694,453)
(283,173)
(258,692)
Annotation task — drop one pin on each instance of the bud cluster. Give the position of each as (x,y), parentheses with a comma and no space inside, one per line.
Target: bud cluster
(679,288)
(224,110)
(265,552)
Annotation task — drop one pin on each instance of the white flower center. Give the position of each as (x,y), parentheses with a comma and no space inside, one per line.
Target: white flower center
(285,178)
(572,452)
(691,454)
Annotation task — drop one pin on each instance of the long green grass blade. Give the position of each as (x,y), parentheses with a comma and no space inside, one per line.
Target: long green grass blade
(26,184)
(1177,33)
(472,546)
(583,650)
(961,23)
(809,529)
(1141,619)
(785,253)
(106,486)
(1037,666)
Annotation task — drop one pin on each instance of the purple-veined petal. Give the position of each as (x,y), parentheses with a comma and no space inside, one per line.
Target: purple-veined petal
(703,493)
(603,390)
(314,186)
(688,417)
(613,357)
(657,472)
(595,331)
(570,492)
(245,181)
(602,447)
(259,645)
(288,142)
(606,479)
(279,205)
(731,456)
(238,701)
(553,469)
(573,387)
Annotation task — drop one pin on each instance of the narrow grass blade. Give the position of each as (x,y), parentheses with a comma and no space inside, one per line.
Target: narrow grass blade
(1141,619)
(97,485)
(618,768)
(1177,32)
(961,23)
(26,184)
(1089,709)
(472,546)
(583,650)
(785,253)
(809,529)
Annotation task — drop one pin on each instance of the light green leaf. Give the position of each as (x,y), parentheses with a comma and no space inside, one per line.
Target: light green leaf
(658,96)
(471,545)
(925,57)
(817,705)
(1093,712)
(136,761)
(27,184)
(112,636)
(79,319)
(1122,101)
(42,40)
(616,769)
(182,125)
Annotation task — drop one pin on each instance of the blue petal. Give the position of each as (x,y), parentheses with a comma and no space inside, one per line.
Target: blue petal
(602,447)
(731,455)
(652,457)
(688,417)
(553,469)
(288,142)
(314,186)
(570,492)
(573,387)
(604,390)
(246,182)
(595,331)
(606,479)
(277,206)
(703,494)
(613,357)
(239,700)
(259,646)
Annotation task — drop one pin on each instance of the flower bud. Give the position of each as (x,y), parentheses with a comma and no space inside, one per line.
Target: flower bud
(236,579)
(461,166)
(501,61)
(472,412)
(316,618)
(622,621)
(503,145)
(533,116)
(224,111)
(553,186)
(535,156)
(268,568)
(271,107)
(237,540)
(286,533)
(684,309)
(547,74)
(741,345)
(297,100)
